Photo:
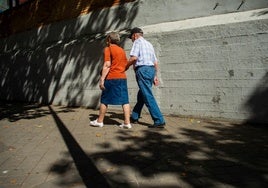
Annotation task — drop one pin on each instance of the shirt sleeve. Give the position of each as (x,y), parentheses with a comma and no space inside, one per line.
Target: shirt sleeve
(135,49)
(107,56)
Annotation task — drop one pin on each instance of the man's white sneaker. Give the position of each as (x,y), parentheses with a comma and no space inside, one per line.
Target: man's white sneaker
(95,123)
(125,126)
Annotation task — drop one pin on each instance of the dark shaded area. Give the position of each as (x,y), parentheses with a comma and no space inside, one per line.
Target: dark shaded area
(16,111)
(86,168)
(258,104)
(38,13)
(61,61)
(110,117)
(261,13)
(230,157)
(215,154)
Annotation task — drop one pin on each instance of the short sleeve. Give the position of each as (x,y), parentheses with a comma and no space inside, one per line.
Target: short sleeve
(107,56)
(135,49)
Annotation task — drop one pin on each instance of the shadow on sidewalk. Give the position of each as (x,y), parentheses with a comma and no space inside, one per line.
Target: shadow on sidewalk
(208,154)
(233,155)
(86,168)
(16,111)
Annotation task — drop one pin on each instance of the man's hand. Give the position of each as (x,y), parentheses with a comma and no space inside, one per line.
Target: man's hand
(132,60)
(156,81)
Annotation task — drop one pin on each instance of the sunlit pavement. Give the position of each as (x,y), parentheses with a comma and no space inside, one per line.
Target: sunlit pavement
(54,146)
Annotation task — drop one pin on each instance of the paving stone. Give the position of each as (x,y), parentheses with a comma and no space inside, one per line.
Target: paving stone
(60,149)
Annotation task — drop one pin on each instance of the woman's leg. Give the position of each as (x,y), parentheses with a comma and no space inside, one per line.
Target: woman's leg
(126,110)
(102,111)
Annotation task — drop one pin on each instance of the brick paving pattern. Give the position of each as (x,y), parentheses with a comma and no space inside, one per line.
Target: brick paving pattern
(54,146)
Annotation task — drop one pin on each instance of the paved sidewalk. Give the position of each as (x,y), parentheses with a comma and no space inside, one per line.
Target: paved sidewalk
(51,147)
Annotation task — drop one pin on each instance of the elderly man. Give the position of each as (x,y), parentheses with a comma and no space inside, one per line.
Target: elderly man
(142,56)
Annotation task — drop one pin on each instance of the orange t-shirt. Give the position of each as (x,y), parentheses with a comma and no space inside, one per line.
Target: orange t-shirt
(118,62)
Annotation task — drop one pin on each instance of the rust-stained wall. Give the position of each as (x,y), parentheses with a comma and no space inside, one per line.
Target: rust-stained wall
(42,12)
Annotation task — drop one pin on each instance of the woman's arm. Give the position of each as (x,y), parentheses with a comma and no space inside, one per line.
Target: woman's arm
(105,71)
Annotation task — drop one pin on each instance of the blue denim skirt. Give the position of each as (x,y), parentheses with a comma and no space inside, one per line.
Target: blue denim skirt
(115,93)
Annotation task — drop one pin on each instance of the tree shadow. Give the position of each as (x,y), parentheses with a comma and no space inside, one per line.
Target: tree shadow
(258,104)
(214,155)
(60,62)
(16,111)
(210,154)
(261,13)
(228,157)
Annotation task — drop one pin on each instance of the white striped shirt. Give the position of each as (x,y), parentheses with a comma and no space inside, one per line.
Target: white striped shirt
(144,51)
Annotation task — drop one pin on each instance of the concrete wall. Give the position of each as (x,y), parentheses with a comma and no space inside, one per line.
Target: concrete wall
(213,64)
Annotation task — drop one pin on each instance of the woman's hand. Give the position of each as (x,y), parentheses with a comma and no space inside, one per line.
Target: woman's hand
(101,84)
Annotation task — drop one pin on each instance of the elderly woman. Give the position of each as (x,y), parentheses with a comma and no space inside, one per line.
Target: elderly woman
(113,81)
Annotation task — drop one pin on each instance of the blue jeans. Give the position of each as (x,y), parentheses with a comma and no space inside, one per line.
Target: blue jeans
(145,77)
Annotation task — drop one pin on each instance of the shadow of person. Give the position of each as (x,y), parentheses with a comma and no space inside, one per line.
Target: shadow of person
(108,120)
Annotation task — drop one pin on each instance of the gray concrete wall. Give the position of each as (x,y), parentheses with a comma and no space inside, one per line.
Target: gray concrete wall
(215,70)
(212,64)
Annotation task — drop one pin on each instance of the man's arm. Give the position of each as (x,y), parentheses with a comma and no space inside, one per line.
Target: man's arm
(131,61)
(156,81)
(156,67)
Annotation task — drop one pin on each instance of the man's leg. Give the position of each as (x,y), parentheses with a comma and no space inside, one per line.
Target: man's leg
(145,82)
(136,112)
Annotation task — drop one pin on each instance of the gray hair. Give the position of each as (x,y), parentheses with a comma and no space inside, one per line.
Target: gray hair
(114,37)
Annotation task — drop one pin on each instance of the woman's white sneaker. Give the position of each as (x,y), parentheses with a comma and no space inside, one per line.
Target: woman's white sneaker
(125,126)
(95,123)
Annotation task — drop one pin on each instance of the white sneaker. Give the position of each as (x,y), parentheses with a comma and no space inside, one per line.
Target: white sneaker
(95,123)
(125,126)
